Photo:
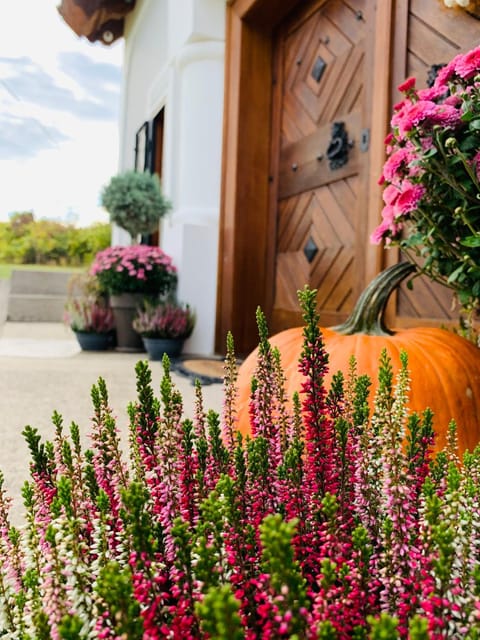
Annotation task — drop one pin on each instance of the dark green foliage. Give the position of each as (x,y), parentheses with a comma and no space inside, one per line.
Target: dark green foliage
(219,614)
(278,561)
(383,628)
(71,628)
(114,586)
(38,450)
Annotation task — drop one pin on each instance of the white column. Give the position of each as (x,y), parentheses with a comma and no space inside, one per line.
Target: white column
(190,234)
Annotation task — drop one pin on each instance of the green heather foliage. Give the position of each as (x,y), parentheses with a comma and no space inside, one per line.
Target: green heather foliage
(329,523)
(24,240)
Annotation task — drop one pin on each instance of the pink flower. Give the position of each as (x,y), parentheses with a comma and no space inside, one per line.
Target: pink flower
(389,213)
(433,93)
(476,164)
(453,100)
(384,229)
(397,161)
(418,112)
(446,115)
(468,65)
(135,268)
(407,85)
(390,194)
(398,106)
(447,72)
(409,198)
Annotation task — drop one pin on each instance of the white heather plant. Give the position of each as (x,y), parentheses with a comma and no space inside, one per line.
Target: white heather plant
(328,524)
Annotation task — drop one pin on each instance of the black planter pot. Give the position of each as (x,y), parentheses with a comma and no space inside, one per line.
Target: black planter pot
(95,341)
(156,347)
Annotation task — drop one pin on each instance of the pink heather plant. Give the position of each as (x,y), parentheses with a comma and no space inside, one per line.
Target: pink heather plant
(136,268)
(89,314)
(431,177)
(164,320)
(329,523)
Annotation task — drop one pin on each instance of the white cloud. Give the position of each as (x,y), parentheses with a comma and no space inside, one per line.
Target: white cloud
(58,122)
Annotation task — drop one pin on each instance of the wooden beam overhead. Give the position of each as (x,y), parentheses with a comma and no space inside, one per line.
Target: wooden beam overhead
(96,20)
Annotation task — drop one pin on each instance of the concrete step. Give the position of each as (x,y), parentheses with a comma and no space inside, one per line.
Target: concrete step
(4,293)
(35,308)
(27,281)
(37,296)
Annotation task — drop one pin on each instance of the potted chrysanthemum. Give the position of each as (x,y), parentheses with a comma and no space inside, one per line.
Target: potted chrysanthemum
(129,275)
(431,178)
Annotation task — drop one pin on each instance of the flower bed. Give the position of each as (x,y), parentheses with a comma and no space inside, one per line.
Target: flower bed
(329,523)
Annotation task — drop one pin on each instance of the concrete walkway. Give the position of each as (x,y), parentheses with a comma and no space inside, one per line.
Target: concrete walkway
(42,369)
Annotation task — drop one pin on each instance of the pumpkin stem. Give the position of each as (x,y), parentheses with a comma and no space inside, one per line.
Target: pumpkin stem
(367,315)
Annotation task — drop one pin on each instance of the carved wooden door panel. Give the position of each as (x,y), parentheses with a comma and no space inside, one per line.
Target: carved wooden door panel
(320,157)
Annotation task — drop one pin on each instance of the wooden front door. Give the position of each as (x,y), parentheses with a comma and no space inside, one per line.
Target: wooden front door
(320,156)
(288,218)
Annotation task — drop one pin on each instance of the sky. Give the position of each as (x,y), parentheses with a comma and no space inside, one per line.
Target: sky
(59,106)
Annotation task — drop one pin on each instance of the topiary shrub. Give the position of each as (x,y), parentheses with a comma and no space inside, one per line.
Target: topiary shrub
(324,525)
(135,202)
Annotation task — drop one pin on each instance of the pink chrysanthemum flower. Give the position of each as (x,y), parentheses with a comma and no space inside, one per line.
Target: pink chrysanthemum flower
(390,194)
(407,85)
(396,162)
(476,164)
(446,73)
(409,198)
(468,64)
(418,112)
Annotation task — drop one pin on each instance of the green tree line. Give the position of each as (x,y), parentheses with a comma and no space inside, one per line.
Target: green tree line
(24,240)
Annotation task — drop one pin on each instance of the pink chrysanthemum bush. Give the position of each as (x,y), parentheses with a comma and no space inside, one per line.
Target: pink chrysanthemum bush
(329,523)
(137,268)
(431,177)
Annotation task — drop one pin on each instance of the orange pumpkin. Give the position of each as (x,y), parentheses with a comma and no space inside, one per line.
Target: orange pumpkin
(444,367)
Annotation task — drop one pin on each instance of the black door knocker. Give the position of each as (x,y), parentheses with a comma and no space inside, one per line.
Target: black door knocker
(337,151)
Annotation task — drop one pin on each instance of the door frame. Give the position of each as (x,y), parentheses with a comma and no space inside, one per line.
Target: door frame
(246,275)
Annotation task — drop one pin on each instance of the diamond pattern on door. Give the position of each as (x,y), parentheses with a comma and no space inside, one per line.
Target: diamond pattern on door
(314,201)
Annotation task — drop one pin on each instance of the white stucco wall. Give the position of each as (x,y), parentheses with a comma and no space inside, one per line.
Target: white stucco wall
(174,58)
